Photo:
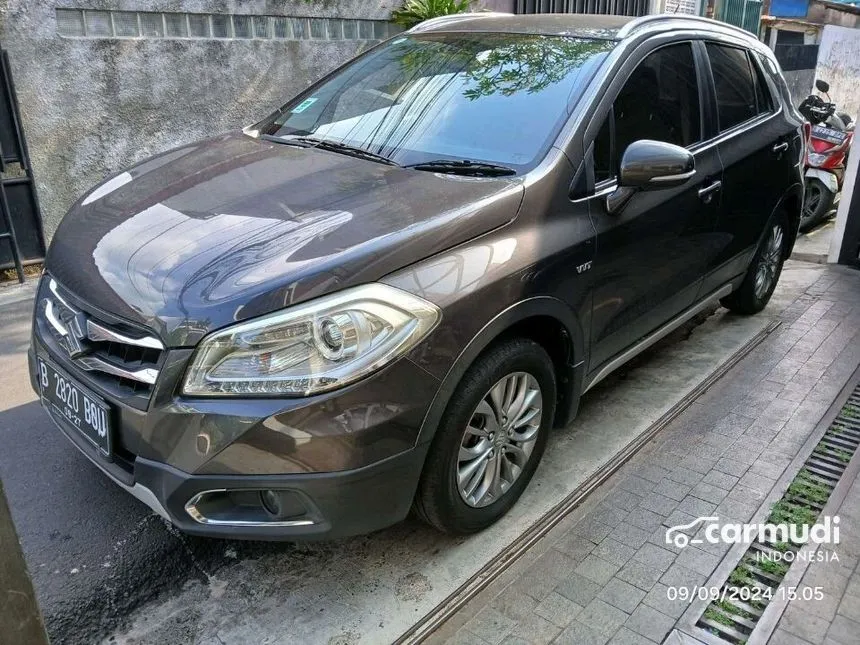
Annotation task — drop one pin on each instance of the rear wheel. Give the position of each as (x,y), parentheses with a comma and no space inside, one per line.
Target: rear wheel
(817,202)
(763,272)
(490,439)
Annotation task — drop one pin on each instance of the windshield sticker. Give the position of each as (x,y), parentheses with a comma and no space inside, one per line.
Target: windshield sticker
(304,105)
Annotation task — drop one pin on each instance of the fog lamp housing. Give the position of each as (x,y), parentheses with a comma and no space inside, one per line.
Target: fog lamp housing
(251,507)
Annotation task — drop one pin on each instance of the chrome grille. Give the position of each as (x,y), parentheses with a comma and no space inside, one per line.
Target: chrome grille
(123,360)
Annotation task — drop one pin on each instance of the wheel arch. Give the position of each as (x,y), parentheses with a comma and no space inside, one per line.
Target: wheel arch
(547,321)
(791,203)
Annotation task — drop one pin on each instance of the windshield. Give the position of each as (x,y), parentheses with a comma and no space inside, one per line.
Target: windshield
(494,98)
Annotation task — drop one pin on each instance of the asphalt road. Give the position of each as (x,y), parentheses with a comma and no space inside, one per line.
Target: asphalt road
(94,552)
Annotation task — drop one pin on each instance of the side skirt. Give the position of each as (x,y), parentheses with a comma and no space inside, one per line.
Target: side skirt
(653,337)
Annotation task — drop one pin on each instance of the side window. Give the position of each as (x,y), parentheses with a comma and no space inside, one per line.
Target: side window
(763,97)
(603,167)
(659,101)
(734,84)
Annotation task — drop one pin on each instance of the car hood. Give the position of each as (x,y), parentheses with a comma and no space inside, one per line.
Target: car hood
(233,227)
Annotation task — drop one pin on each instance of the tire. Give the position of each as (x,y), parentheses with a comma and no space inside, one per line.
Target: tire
(817,202)
(443,499)
(763,272)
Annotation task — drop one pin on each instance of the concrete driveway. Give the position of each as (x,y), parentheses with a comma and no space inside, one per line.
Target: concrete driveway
(105,566)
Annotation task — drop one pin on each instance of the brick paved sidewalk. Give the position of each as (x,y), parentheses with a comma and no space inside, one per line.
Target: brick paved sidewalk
(601,575)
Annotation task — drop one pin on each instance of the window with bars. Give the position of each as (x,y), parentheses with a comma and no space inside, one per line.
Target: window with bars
(151,25)
(175,25)
(606,7)
(85,23)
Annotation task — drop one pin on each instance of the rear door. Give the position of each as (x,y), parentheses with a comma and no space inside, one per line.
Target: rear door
(651,255)
(754,148)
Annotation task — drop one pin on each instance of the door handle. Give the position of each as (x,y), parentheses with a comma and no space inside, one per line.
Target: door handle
(780,147)
(707,192)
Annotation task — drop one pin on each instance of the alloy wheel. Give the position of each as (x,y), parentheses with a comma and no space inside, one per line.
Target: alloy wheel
(499,440)
(768,264)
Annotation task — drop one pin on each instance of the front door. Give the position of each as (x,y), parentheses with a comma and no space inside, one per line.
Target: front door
(651,255)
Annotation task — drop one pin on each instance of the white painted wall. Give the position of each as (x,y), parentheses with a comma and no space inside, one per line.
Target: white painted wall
(852,175)
(839,65)
(688,7)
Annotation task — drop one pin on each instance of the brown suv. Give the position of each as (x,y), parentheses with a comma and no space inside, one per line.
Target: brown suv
(387,293)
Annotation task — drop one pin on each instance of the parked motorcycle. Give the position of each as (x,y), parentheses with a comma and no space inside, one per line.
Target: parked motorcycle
(829,135)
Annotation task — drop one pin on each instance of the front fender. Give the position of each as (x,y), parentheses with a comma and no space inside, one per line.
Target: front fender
(543,306)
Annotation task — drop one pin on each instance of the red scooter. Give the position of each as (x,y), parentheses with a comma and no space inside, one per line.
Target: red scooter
(828,140)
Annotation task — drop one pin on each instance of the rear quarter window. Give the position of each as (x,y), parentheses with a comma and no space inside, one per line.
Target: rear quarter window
(777,83)
(764,98)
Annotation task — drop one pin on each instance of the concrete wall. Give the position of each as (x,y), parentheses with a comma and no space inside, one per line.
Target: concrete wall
(800,83)
(833,13)
(839,65)
(504,6)
(91,106)
(796,50)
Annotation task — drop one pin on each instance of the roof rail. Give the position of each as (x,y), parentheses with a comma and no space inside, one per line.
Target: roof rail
(644,21)
(457,17)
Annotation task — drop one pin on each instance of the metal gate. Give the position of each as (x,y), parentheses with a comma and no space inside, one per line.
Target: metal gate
(612,7)
(742,13)
(21,238)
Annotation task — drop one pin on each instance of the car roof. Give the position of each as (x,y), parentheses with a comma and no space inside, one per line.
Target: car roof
(551,24)
(578,24)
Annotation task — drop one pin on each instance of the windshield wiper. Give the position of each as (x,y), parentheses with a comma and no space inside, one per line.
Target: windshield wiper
(464,167)
(344,148)
(286,142)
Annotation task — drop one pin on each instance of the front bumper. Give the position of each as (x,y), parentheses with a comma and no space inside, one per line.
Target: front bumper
(337,504)
(349,458)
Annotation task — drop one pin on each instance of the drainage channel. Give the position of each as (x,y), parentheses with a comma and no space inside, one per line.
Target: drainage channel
(753,583)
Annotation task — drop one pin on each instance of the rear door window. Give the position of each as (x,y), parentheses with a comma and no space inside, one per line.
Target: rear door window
(734,84)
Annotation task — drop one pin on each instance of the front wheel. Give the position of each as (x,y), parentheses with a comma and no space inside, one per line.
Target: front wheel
(817,202)
(490,439)
(763,272)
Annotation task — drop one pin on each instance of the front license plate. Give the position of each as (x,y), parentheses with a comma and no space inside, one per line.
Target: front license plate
(76,404)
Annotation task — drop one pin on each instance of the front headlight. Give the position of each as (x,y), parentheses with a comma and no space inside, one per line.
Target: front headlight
(816,159)
(313,347)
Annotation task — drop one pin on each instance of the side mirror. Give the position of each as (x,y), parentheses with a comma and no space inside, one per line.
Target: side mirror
(650,165)
(822,86)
